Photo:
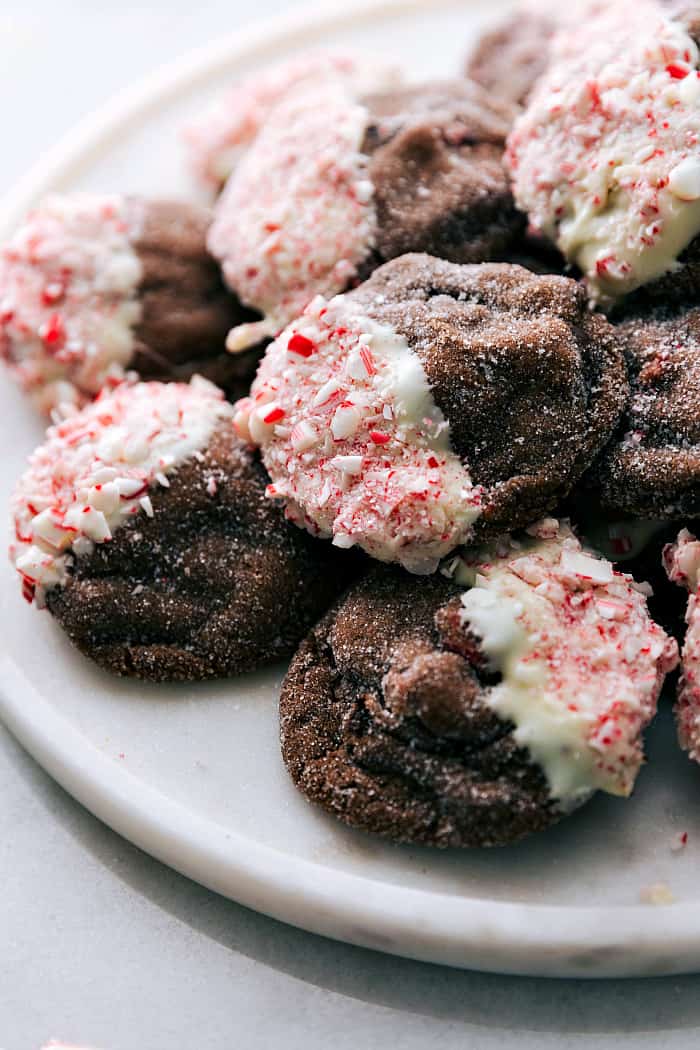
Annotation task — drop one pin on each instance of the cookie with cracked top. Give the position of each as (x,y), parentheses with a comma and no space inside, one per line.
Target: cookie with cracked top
(412,169)
(433,405)
(142,525)
(406,711)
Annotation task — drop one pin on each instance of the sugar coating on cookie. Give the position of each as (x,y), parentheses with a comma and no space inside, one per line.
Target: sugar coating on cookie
(68,297)
(353,440)
(682,563)
(581,663)
(605,158)
(94,471)
(218,141)
(296,217)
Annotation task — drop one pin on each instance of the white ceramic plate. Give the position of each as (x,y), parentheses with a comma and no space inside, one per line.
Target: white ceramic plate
(193,774)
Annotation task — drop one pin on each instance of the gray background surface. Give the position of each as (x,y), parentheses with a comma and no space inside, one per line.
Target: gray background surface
(100,945)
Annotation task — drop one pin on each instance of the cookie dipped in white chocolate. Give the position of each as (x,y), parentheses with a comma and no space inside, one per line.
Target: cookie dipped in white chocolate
(605,159)
(296,217)
(353,441)
(219,139)
(581,663)
(94,471)
(68,297)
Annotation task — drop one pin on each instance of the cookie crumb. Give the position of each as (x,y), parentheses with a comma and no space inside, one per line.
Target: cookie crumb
(657,893)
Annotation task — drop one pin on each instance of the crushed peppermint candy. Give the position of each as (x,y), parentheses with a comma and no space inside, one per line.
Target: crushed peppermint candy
(95,470)
(68,297)
(605,159)
(346,468)
(581,662)
(679,842)
(682,564)
(297,216)
(217,142)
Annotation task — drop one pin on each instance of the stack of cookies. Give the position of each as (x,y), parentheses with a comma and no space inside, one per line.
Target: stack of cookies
(414,404)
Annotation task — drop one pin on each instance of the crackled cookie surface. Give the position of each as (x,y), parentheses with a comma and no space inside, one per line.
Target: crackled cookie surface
(476,709)
(93,287)
(217,142)
(652,467)
(329,191)
(605,157)
(433,404)
(141,524)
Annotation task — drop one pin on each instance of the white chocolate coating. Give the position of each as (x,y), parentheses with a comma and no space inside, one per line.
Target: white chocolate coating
(68,297)
(606,158)
(582,663)
(682,562)
(218,141)
(95,469)
(353,441)
(297,217)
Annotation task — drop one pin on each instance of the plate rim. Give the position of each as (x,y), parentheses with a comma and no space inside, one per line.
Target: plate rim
(478,933)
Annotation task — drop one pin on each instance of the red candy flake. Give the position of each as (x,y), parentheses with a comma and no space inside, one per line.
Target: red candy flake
(368,361)
(52,332)
(433,463)
(299,344)
(53,292)
(379,438)
(28,589)
(676,71)
(274,416)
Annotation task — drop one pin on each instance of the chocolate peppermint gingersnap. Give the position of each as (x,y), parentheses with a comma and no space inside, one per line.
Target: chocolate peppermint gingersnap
(476,710)
(141,524)
(328,191)
(95,287)
(433,405)
(218,138)
(604,157)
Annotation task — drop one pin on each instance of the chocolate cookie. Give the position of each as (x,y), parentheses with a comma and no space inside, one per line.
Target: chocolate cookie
(652,467)
(603,159)
(93,287)
(328,192)
(435,162)
(477,710)
(434,404)
(142,526)
(508,59)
